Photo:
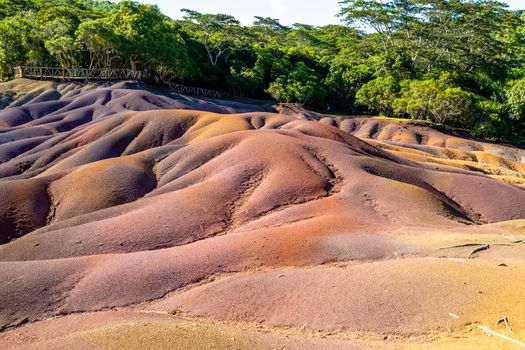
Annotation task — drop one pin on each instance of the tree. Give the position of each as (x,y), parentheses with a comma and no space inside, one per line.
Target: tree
(270,23)
(63,50)
(99,39)
(378,95)
(438,101)
(436,33)
(149,39)
(300,84)
(384,17)
(463,34)
(343,81)
(12,49)
(57,35)
(515,94)
(104,5)
(217,32)
(9,8)
(494,124)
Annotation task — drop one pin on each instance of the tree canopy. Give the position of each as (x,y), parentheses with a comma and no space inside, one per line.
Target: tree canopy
(455,62)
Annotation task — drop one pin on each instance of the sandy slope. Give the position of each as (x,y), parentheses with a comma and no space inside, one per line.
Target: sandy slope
(293,231)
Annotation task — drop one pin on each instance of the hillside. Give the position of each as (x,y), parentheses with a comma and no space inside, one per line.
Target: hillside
(131,217)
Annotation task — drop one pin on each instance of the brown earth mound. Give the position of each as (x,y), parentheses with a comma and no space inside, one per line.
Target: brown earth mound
(338,228)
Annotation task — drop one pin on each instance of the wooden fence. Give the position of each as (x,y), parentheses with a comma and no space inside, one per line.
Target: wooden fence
(190,90)
(77,73)
(108,74)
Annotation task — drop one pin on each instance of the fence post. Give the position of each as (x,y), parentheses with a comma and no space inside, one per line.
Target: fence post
(18,72)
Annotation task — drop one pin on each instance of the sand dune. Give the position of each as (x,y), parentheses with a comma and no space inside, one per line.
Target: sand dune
(119,197)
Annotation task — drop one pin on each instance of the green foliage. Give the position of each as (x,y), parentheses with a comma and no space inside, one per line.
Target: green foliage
(378,95)
(516,99)
(148,39)
(63,50)
(458,62)
(269,23)
(219,33)
(437,100)
(298,83)
(98,38)
(13,49)
(104,5)
(91,33)
(343,81)
(494,123)
(433,35)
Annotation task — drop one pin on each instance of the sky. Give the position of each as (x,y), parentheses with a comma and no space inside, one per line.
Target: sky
(315,12)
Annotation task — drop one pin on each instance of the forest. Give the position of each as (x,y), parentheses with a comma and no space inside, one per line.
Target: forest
(459,63)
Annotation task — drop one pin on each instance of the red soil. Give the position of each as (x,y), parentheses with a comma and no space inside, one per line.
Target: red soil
(112,198)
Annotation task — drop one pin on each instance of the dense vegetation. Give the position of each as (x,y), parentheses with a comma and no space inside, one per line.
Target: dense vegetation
(455,62)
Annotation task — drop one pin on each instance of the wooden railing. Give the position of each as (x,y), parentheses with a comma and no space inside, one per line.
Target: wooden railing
(109,74)
(190,90)
(77,73)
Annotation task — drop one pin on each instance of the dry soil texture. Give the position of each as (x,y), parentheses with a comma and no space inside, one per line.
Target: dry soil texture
(131,218)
